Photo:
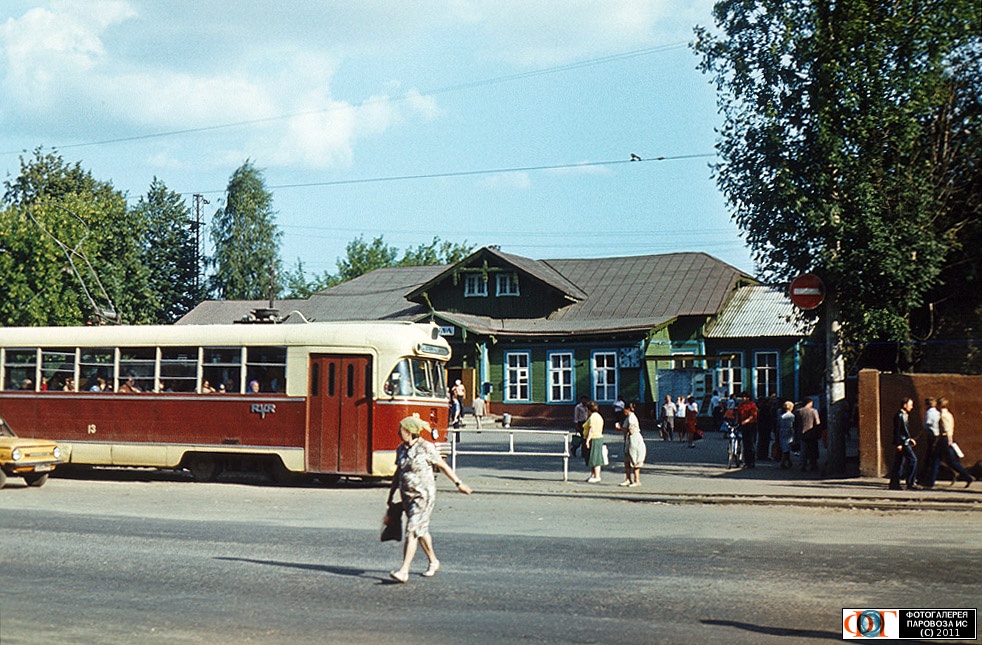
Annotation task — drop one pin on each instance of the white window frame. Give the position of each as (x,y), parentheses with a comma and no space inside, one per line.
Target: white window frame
(507,285)
(562,377)
(774,371)
(681,365)
(518,382)
(475,285)
(727,377)
(599,376)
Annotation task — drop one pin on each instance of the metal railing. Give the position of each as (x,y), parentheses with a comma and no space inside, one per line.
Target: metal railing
(511,452)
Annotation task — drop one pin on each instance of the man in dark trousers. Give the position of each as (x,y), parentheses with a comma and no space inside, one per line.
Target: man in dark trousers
(765,426)
(746,413)
(809,428)
(904,444)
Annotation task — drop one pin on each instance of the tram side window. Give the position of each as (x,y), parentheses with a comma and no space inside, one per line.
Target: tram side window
(137,363)
(179,369)
(267,366)
(58,370)
(95,370)
(20,369)
(222,369)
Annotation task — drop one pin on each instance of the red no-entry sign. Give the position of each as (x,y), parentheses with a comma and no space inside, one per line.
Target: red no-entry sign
(807,291)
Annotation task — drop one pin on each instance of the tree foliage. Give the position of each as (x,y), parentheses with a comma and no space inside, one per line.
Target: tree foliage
(363,257)
(850,145)
(436,252)
(100,251)
(246,239)
(170,252)
(299,285)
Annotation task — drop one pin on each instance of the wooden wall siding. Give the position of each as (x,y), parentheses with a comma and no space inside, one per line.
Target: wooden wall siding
(536,300)
(629,379)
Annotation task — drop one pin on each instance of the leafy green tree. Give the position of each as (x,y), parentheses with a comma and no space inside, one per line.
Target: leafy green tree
(246,239)
(436,252)
(363,257)
(849,146)
(299,286)
(170,251)
(71,248)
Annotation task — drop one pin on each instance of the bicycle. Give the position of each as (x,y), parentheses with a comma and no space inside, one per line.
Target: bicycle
(734,445)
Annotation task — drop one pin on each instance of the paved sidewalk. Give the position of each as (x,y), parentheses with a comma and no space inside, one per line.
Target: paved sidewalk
(674,473)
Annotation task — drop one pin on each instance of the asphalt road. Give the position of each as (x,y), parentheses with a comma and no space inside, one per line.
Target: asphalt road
(148,558)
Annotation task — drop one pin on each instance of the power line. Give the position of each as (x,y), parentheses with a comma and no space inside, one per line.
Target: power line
(660,233)
(471,173)
(401,97)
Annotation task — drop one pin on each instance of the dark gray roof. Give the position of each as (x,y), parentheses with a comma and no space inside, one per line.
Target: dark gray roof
(545,272)
(648,286)
(223,312)
(374,296)
(379,295)
(608,295)
(757,311)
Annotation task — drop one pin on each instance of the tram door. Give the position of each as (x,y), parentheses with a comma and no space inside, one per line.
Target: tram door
(339,414)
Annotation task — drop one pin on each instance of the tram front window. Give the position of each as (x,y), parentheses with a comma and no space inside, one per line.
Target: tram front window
(416,377)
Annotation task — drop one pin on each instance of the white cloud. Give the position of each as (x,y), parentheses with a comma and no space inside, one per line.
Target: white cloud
(583,169)
(46,50)
(507,181)
(106,69)
(551,32)
(65,79)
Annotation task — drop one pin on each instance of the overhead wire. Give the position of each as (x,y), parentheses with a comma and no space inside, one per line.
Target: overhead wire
(470,173)
(372,101)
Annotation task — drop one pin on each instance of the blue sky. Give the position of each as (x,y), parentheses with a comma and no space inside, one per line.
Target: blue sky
(345,106)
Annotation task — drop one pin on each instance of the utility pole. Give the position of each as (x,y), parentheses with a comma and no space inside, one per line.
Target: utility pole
(835,384)
(199,244)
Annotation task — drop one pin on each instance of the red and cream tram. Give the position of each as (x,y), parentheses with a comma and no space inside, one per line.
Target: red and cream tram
(318,398)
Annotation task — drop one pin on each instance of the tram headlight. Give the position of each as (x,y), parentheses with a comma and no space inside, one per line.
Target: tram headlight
(56,452)
(16,454)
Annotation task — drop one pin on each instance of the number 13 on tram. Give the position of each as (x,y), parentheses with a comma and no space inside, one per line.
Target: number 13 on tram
(314,398)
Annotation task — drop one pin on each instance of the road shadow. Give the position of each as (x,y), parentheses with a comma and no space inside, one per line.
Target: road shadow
(775,631)
(147,475)
(351,572)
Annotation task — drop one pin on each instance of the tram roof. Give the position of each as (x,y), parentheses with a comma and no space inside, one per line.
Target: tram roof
(374,333)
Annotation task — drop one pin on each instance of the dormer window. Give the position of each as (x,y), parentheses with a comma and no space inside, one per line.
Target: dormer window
(507,284)
(475,286)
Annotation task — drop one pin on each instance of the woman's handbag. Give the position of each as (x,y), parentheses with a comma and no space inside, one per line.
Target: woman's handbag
(392,523)
(606,455)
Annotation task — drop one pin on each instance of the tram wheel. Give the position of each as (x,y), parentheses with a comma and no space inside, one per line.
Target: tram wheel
(203,468)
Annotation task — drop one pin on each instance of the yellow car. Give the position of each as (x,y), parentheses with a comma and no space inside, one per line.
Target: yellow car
(31,459)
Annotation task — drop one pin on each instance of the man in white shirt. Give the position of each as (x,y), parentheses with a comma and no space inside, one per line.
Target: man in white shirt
(932,418)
